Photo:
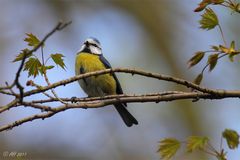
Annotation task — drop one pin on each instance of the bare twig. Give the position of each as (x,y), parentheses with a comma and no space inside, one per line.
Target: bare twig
(37,106)
(117,99)
(6,92)
(9,105)
(52,90)
(28,119)
(205,67)
(31,83)
(87,99)
(16,81)
(130,71)
(222,35)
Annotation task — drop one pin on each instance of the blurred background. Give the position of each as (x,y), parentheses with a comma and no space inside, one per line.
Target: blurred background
(153,35)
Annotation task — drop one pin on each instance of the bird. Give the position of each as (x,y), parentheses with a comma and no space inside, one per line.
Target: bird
(89,59)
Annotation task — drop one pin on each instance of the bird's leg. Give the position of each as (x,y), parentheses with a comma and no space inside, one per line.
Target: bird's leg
(74,99)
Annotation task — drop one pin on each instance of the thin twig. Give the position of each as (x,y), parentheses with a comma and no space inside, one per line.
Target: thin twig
(133,71)
(31,83)
(87,99)
(52,90)
(9,105)
(11,90)
(102,103)
(130,71)
(205,67)
(37,106)
(16,81)
(28,119)
(6,92)
(42,56)
(222,35)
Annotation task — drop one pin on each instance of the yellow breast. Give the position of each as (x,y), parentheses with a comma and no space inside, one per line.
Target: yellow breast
(96,85)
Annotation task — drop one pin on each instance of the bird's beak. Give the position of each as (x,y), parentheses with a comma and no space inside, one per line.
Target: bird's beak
(86,43)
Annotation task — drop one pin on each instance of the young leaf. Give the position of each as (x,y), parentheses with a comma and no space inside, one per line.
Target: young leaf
(237,8)
(43,69)
(209,19)
(232,54)
(230,51)
(58,59)
(205,3)
(168,148)
(222,156)
(217,1)
(223,49)
(32,40)
(232,138)
(202,5)
(196,142)
(232,46)
(212,61)
(32,66)
(215,48)
(198,79)
(196,58)
(20,56)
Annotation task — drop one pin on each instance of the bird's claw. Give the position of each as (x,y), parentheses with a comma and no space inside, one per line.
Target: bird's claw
(74,99)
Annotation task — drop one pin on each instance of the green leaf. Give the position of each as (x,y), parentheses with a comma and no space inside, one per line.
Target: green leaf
(196,58)
(32,40)
(237,8)
(215,48)
(32,66)
(232,50)
(58,59)
(212,61)
(196,142)
(20,56)
(209,19)
(223,49)
(217,1)
(232,55)
(221,156)
(232,46)
(168,148)
(43,69)
(232,138)
(198,79)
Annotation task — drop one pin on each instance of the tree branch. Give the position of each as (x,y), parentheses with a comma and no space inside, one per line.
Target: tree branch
(104,101)
(179,81)
(96,102)
(130,71)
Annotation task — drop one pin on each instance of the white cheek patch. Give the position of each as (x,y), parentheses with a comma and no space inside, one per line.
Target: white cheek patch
(81,49)
(95,50)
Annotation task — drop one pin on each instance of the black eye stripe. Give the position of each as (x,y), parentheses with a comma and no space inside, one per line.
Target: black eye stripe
(94,45)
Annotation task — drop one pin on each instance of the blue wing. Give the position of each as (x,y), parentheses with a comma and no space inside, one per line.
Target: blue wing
(108,65)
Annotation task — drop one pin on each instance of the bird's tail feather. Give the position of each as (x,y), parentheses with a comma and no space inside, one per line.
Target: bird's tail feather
(128,119)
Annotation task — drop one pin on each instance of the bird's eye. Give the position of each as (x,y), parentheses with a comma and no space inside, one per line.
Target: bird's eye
(95,45)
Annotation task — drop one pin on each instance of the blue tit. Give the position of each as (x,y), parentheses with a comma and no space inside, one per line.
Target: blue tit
(89,59)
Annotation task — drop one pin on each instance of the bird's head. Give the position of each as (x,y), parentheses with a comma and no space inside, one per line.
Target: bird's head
(91,45)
